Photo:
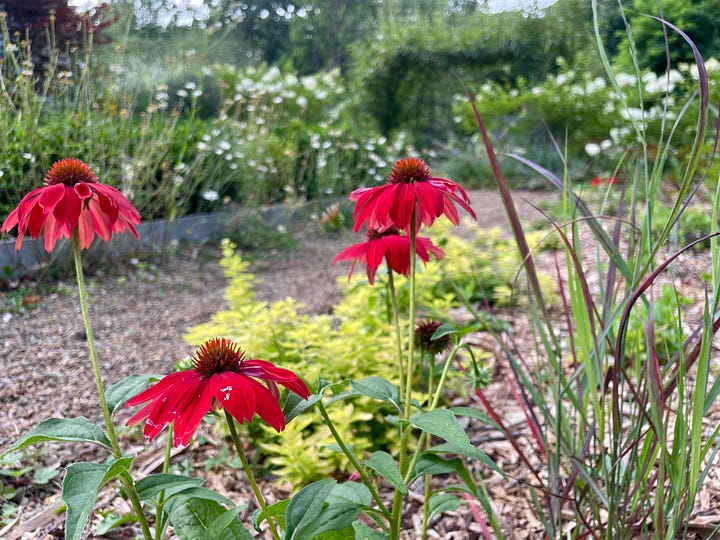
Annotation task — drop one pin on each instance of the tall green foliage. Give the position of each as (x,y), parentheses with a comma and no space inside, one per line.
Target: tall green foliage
(408,67)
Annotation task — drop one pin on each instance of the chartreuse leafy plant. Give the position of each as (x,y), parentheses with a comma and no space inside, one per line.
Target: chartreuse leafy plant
(616,406)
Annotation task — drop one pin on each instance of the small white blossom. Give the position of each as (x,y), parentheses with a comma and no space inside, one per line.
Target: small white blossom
(592,149)
(210,195)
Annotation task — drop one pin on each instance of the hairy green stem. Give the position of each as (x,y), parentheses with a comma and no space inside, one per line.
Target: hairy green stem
(426,478)
(109,426)
(406,391)
(353,460)
(159,533)
(251,477)
(396,321)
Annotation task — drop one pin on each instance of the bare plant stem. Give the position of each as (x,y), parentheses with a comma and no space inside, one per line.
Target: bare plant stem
(251,477)
(109,426)
(161,496)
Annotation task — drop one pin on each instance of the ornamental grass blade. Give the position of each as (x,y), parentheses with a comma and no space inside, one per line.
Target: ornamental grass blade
(78,429)
(80,487)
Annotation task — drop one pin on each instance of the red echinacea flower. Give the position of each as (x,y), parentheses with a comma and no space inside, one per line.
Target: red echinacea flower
(71,198)
(221,378)
(388,244)
(410,186)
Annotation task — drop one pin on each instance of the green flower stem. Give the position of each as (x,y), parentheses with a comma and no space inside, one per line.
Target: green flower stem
(251,477)
(426,478)
(396,320)
(161,496)
(353,460)
(406,391)
(432,407)
(109,426)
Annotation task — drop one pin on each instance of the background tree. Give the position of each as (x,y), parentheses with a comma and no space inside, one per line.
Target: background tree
(700,19)
(35,19)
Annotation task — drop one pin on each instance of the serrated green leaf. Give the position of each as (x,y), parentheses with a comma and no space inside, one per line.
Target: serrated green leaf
(443,423)
(384,464)
(193,520)
(80,487)
(445,502)
(150,486)
(121,391)
(78,429)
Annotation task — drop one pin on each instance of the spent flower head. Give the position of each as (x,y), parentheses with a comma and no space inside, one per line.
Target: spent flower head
(424,332)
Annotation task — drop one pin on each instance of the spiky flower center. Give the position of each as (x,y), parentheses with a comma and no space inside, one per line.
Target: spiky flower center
(70,171)
(374,234)
(409,170)
(424,332)
(217,355)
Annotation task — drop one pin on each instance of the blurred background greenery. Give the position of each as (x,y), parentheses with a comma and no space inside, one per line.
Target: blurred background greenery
(191,105)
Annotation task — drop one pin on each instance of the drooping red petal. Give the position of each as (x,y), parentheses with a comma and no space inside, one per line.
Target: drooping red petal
(10,221)
(51,196)
(102,221)
(161,387)
(397,251)
(234,393)
(267,407)
(262,369)
(424,246)
(187,421)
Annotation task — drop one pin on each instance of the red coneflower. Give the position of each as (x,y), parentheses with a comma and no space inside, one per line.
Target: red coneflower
(387,244)
(71,198)
(410,186)
(221,378)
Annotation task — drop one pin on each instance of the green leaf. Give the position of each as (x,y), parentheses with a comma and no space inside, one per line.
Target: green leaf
(195,520)
(384,464)
(444,502)
(432,464)
(80,487)
(341,508)
(223,521)
(111,521)
(150,486)
(277,511)
(363,532)
(377,388)
(129,387)
(449,448)
(443,423)
(197,493)
(78,429)
(443,330)
(469,412)
(351,493)
(44,474)
(306,505)
(295,405)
